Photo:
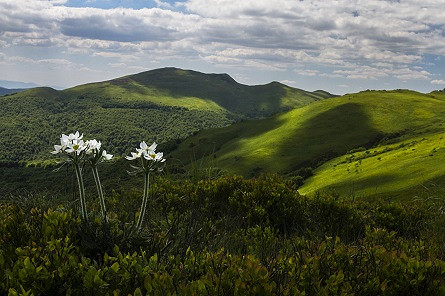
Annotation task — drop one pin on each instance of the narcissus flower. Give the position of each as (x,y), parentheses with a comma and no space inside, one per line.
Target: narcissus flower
(147,152)
(76,146)
(58,149)
(106,156)
(150,162)
(92,146)
(151,155)
(149,158)
(73,146)
(68,142)
(133,156)
(145,149)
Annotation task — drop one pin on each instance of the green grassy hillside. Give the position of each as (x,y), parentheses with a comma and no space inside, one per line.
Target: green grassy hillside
(400,133)
(162,105)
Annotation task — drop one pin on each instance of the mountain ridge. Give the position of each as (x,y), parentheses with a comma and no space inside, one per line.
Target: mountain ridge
(162,105)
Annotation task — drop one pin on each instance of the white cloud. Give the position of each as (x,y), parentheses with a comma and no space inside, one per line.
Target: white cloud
(342,39)
(439,81)
(162,4)
(288,82)
(307,72)
(370,72)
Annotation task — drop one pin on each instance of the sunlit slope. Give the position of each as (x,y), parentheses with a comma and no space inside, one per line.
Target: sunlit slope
(309,136)
(413,167)
(162,105)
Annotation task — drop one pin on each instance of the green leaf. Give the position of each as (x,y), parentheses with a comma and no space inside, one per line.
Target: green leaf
(115,267)
(201,286)
(137,292)
(27,263)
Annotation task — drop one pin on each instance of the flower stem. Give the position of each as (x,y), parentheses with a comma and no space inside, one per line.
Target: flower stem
(83,207)
(144,202)
(103,208)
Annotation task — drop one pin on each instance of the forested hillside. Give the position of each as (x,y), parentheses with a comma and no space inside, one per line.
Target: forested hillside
(162,105)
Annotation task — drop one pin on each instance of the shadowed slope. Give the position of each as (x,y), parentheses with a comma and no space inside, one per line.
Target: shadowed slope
(314,134)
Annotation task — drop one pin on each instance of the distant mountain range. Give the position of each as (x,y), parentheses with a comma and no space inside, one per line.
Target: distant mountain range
(17,84)
(7,91)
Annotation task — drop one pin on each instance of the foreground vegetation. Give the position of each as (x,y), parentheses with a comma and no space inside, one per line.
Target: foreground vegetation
(224,236)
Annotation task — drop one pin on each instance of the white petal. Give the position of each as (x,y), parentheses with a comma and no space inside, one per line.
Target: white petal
(153,147)
(107,156)
(57,149)
(143,145)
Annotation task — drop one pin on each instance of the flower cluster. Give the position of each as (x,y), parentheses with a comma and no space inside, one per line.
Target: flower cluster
(150,161)
(69,144)
(79,152)
(147,152)
(74,145)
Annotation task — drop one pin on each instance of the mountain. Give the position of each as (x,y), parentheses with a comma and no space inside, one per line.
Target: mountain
(7,91)
(195,90)
(17,84)
(161,105)
(397,137)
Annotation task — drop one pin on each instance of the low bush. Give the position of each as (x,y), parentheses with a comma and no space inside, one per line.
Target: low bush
(223,237)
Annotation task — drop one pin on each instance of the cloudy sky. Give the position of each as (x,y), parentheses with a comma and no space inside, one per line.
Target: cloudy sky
(339,46)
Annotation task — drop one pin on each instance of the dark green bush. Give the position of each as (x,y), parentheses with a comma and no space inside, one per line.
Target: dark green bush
(228,236)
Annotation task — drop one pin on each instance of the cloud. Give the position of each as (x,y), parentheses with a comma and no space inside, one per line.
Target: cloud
(306,72)
(371,72)
(373,40)
(121,25)
(439,81)
(288,82)
(162,4)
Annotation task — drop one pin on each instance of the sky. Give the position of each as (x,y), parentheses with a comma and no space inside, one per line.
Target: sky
(339,46)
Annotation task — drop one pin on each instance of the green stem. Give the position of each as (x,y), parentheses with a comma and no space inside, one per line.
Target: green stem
(144,202)
(83,207)
(103,208)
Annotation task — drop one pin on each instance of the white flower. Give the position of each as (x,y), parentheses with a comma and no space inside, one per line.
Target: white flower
(148,152)
(157,157)
(133,156)
(93,146)
(106,156)
(57,149)
(64,140)
(145,149)
(75,136)
(76,146)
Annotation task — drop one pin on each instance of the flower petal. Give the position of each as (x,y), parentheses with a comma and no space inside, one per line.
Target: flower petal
(143,145)
(153,147)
